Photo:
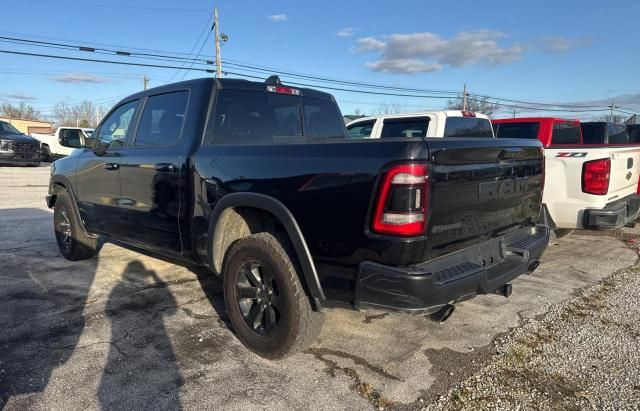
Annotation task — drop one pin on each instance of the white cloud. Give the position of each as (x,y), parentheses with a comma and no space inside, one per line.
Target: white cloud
(422,52)
(20,96)
(407,66)
(79,78)
(557,44)
(277,18)
(345,32)
(370,43)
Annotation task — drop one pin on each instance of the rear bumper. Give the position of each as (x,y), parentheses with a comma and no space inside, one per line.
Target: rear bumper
(426,287)
(614,215)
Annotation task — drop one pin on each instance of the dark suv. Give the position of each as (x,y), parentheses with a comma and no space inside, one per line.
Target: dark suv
(259,183)
(17,147)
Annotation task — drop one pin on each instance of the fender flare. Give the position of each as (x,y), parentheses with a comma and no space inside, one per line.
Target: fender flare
(64,181)
(279,211)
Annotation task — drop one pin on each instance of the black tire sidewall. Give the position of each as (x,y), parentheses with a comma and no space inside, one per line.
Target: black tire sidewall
(280,267)
(62,203)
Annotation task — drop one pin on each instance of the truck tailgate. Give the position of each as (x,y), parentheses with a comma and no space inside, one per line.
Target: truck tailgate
(625,165)
(480,189)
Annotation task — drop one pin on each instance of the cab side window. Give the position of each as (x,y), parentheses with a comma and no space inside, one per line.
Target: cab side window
(113,131)
(405,127)
(360,130)
(162,120)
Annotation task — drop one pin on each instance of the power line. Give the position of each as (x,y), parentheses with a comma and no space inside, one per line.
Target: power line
(269,70)
(122,63)
(118,6)
(204,30)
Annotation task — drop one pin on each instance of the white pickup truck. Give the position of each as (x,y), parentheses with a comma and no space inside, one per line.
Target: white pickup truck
(587,186)
(451,123)
(63,141)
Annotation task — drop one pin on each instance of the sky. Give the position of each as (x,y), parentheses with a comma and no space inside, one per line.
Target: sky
(549,51)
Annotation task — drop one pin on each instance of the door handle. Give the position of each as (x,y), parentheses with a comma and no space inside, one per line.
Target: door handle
(164,167)
(111,166)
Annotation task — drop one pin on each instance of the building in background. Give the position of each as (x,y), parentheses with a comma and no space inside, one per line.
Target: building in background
(30,126)
(634,119)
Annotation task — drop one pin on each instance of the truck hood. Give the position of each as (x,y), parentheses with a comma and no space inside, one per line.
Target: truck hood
(18,137)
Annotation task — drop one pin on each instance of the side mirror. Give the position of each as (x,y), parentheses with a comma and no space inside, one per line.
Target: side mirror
(100,149)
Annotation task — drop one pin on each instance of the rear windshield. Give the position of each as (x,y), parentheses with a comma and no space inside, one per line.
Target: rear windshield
(468,127)
(525,129)
(565,133)
(255,117)
(618,134)
(595,133)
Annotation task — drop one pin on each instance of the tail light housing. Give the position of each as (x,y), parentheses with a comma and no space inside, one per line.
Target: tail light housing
(402,201)
(595,176)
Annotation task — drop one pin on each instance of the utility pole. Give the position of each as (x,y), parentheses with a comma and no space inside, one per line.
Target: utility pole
(145,80)
(611,116)
(217,38)
(514,113)
(464,98)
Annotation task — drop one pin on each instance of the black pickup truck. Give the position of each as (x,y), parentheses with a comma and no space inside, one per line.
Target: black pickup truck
(259,183)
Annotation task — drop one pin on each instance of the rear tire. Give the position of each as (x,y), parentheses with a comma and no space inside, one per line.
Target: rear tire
(45,154)
(268,307)
(73,242)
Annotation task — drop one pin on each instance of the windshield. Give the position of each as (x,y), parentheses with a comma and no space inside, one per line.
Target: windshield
(6,128)
(468,127)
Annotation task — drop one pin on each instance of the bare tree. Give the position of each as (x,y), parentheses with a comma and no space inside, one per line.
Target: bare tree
(617,118)
(475,104)
(390,108)
(23,111)
(85,114)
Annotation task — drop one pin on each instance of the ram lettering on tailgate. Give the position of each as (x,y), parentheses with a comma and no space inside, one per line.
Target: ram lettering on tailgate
(503,188)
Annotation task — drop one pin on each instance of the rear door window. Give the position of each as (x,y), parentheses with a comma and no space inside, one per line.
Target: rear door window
(162,120)
(468,127)
(593,133)
(634,133)
(565,133)
(362,129)
(526,130)
(405,127)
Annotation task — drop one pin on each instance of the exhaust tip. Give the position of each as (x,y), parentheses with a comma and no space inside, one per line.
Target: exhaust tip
(443,314)
(504,290)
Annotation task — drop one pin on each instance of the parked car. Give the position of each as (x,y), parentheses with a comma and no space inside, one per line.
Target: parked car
(452,123)
(63,141)
(604,132)
(17,147)
(259,183)
(634,133)
(586,186)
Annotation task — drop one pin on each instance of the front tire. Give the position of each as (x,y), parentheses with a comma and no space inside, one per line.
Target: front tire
(73,242)
(268,308)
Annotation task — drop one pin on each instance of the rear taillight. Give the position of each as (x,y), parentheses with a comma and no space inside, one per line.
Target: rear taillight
(402,201)
(595,176)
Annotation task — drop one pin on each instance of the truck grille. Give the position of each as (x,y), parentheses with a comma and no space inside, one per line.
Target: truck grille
(24,147)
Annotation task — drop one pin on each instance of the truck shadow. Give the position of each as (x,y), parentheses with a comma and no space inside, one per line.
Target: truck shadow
(141,370)
(42,302)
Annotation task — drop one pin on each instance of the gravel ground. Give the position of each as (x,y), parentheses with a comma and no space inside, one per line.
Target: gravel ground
(583,354)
